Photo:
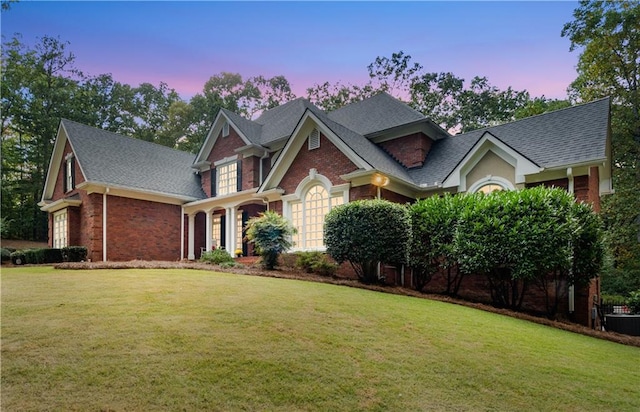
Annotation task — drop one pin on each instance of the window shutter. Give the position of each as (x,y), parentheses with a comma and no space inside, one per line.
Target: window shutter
(239,179)
(65,179)
(213,182)
(314,139)
(73,173)
(223,231)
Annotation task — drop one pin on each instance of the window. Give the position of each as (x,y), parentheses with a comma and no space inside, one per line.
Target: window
(216,231)
(60,229)
(238,231)
(489,188)
(307,215)
(225,129)
(314,139)
(227,179)
(69,174)
(491,184)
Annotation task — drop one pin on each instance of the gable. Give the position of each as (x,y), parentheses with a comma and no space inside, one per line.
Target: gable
(215,134)
(521,165)
(54,182)
(332,149)
(491,166)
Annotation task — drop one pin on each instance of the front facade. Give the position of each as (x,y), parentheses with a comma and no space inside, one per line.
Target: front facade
(127,199)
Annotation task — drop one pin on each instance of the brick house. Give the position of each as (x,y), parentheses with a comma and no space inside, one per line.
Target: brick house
(127,199)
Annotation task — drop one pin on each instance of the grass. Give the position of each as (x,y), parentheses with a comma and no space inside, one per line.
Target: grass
(197,340)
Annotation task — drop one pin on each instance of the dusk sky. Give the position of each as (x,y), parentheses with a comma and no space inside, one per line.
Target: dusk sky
(515,44)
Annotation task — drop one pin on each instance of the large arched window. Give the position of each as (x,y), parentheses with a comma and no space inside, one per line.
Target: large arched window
(307,215)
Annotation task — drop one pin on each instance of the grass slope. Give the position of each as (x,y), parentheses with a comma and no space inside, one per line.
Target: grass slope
(196,340)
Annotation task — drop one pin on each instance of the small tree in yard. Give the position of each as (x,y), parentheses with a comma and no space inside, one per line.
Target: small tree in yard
(367,232)
(271,235)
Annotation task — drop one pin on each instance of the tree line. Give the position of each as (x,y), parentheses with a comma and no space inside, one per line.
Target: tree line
(41,85)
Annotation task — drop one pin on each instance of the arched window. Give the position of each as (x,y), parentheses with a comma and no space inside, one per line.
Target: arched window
(491,184)
(307,216)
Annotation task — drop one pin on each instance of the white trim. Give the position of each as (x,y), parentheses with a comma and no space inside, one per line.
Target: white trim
(50,207)
(226,160)
(181,232)
(104,225)
(212,137)
(488,142)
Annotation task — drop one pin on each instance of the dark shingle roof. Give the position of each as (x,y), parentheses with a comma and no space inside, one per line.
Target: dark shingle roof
(568,136)
(380,112)
(112,159)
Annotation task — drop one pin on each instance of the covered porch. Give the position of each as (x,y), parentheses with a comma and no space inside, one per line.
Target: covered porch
(219,222)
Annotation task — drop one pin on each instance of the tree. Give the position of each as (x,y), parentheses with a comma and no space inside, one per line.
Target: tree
(366,233)
(38,88)
(608,35)
(271,234)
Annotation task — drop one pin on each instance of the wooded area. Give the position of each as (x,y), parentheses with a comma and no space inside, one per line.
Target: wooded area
(41,85)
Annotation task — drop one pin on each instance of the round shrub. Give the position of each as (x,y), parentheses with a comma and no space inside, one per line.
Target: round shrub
(367,232)
(216,257)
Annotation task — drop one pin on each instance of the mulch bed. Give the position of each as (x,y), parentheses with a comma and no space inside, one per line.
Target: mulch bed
(290,273)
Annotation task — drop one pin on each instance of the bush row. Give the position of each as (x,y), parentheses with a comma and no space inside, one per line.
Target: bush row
(48,255)
(535,237)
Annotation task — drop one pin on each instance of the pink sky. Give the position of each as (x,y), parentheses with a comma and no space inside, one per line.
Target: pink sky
(515,44)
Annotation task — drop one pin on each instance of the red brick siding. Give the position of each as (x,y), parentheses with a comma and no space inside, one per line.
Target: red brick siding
(58,191)
(410,151)
(225,146)
(328,160)
(138,229)
(362,192)
(250,172)
(205,182)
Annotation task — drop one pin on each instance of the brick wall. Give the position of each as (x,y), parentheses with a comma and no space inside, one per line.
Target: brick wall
(328,160)
(138,229)
(410,151)
(58,191)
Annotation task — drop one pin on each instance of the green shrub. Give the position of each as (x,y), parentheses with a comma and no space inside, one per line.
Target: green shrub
(230,264)
(74,254)
(271,235)
(18,257)
(34,256)
(633,302)
(52,255)
(216,257)
(316,262)
(6,254)
(366,232)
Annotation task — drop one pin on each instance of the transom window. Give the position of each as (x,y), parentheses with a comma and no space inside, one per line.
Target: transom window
(227,179)
(60,229)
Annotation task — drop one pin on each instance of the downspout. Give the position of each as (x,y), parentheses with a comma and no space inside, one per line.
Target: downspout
(264,156)
(572,288)
(104,225)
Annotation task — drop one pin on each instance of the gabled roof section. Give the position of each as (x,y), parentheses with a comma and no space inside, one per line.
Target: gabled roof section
(563,138)
(377,113)
(111,159)
(278,123)
(251,130)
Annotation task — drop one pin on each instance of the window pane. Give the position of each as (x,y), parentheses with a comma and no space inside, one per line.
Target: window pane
(316,206)
(227,179)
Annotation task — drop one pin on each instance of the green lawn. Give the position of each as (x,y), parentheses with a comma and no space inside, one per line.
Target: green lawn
(197,340)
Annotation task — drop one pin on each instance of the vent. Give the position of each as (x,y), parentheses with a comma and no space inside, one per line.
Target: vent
(314,139)
(225,129)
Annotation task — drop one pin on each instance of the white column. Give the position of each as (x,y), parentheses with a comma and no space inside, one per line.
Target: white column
(209,229)
(104,225)
(192,225)
(181,232)
(230,229)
